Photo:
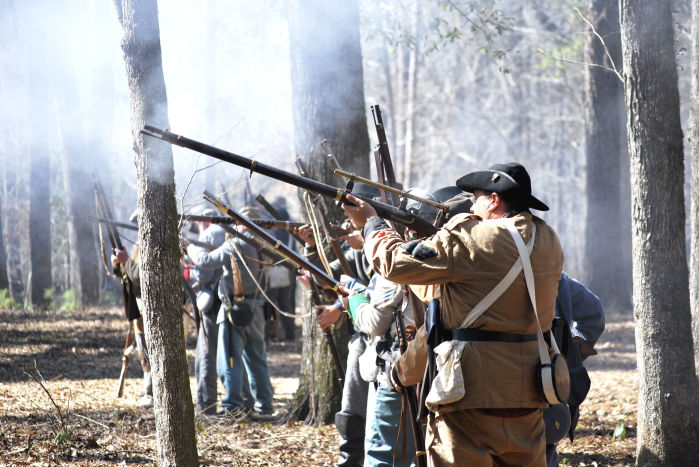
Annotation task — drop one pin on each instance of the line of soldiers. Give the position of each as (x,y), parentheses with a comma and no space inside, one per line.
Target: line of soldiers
(237,298)
(486,406)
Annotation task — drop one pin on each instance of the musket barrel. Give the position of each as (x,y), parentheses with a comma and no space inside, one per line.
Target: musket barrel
(398,191)
(278,246)
(338,194)
(264,223)
(123,225)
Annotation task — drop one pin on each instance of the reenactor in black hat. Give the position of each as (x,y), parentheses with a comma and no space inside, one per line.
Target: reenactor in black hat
(491,411)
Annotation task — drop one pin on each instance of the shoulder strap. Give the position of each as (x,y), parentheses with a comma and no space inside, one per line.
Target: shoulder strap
(499,289)
(529,278)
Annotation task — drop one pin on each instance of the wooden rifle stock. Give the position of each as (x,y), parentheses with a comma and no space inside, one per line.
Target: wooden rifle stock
(129,349)
(338,194)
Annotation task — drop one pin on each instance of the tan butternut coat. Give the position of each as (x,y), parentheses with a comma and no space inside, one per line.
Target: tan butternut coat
(473,255)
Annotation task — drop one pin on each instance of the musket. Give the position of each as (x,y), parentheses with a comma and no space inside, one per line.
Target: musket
(315,296)
(338,194)
(285,252)
(275,214)
(278,246)
(334,244)
(328,153)
(129,349)
(122,225)
(339,368)
(264,223)
(397,191)
(128,298)
(257,246)
(384,167)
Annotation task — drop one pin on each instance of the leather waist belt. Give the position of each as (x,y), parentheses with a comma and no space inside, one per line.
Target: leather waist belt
(508,413)
(479,335)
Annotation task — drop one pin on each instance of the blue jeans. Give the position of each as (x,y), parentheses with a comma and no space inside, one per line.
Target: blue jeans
(382,420)
(245,346)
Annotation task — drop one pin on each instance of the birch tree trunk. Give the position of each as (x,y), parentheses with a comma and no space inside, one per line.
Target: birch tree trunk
(328,103)
(157,236)
(605,148)
(668,433)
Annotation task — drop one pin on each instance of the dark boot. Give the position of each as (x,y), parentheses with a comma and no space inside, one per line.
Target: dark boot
(351,429)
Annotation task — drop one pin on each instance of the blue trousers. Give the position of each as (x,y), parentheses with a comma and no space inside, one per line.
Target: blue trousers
(205,360)
(382,420)
(244,346)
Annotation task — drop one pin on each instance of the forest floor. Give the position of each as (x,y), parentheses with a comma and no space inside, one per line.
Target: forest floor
(78,354)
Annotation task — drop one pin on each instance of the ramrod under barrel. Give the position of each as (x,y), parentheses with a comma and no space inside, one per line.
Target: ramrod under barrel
(386,211)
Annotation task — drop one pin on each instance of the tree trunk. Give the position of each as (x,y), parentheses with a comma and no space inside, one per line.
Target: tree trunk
(4,280)
(667,404)
(694,219)
(77,182)
(328,103)
(39,173)
(605,150)
(157,236)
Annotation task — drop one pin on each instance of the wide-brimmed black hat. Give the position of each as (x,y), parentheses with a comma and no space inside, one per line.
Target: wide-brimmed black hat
(363,189)
(509,180)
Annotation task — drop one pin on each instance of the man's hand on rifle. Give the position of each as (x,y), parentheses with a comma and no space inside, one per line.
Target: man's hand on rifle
(354,239)
(304,278)
(397,385)
(306,234)
(360,213)
(119,256)
(327,316)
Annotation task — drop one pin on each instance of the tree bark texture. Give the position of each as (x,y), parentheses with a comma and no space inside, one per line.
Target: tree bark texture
(328,103)
(157,236)
(694,219)
(605,146)
(667,402)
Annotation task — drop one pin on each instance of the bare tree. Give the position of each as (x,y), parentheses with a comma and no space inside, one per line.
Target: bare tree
(39,175)
(76,166)
(328,102)
(605,150)
(4,280)
(668,431)
(157,236)
(694,220)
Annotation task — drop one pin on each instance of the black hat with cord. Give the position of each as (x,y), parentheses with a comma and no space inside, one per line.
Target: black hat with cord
(511,181)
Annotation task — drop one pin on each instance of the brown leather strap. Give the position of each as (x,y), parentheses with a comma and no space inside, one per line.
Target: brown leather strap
(238,294)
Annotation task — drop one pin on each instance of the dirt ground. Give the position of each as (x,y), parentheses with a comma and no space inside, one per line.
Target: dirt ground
(78,354)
